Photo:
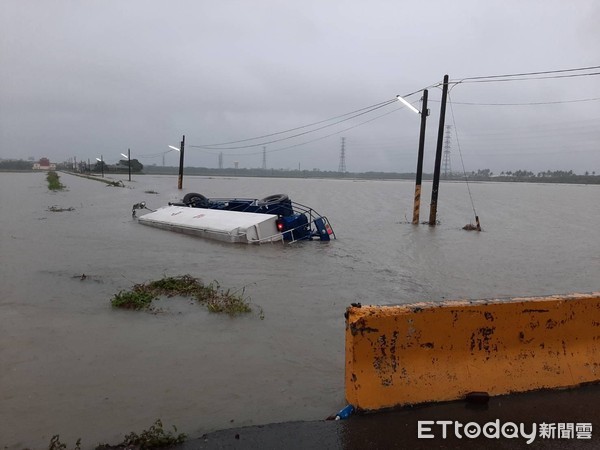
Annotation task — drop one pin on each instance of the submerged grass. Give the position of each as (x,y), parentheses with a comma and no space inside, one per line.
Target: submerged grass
(54,183)
(217,300)
(154,437)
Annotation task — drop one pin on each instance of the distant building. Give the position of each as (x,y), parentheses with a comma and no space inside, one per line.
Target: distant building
(44,164)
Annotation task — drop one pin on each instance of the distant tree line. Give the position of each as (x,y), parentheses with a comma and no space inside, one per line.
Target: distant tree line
(16,164)
(549,176)
(278,173)
(557,176)
(82,166)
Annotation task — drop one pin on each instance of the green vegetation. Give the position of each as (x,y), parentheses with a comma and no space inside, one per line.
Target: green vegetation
(55,444)
(54,183)
(527,176)
(16,165)
(154,437)
(140,297)
(558,176)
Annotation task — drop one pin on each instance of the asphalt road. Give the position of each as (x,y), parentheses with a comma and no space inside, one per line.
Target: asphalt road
(566,414)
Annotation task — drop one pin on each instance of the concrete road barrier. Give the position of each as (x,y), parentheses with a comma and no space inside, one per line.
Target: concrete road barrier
(430,352)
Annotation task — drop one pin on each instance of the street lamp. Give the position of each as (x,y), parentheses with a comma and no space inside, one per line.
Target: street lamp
(128,156)
(180,150)
(407,104)
(101,160)
(419,177)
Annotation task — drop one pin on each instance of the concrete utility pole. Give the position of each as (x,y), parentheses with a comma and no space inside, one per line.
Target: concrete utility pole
(417,204)
(180,181)
(129,162)
(438,156)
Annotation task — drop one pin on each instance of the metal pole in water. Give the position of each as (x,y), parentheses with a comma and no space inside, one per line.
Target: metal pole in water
(180,182)
(417,204)
(438,156)
(129,162)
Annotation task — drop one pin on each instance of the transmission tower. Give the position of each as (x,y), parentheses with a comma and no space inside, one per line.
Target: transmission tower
(221,160)
(447,167)
(342,167)
(264,165)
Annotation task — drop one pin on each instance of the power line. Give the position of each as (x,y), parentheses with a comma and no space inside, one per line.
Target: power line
(358,112)
(498,80)
(320,138)
(546,72)
(366,110)
(527,103)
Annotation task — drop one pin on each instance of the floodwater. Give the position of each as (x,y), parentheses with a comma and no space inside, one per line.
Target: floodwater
(72,365)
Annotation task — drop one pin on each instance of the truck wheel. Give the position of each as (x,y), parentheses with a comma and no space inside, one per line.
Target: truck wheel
(195,200)
(273,199)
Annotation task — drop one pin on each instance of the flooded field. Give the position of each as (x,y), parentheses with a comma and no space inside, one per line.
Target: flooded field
(72,365)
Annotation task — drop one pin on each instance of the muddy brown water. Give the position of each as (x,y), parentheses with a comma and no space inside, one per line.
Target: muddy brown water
(72,365)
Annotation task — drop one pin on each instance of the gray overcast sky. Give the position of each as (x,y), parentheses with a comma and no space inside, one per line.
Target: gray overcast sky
(89,78)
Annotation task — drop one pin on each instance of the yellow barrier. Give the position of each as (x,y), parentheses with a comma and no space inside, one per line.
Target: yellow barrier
(428,352)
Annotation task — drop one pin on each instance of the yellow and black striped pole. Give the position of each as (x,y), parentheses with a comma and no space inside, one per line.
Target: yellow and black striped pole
(417,204)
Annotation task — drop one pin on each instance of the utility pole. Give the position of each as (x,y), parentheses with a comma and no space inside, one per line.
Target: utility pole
(180,181)
(129,162)
(221,160)
(264,161)
(417,204)
(438,156)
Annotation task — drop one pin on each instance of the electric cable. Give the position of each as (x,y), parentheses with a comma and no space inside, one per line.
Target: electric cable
(363,112)
(546,72)
(526,103)
(294,129)
(461,157)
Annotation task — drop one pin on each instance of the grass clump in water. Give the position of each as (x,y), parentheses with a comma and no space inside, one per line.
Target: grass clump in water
(135,299)
(216,299)
(153,437)
(54,183)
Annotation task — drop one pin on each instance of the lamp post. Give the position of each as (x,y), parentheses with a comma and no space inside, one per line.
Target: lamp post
(424,113)
(128,156)
(101,160)
(180,150)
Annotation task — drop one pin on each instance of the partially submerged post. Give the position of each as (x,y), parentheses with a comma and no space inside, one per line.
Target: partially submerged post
(417,204)
(180,181)
(438,156)
(128,156)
